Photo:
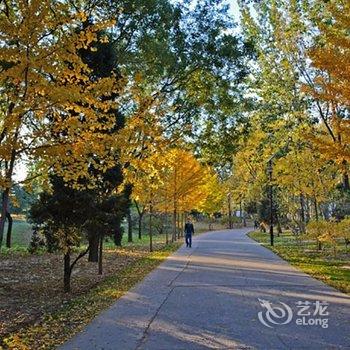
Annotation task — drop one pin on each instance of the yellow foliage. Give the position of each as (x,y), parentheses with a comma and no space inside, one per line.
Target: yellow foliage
(52,112)
(331,55)
(307,172)
(328,231)
(343,228)
(173,180)
(183,181)
(214,194)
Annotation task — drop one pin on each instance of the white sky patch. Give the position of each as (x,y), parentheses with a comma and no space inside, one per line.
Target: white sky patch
(20,172)
(234,9)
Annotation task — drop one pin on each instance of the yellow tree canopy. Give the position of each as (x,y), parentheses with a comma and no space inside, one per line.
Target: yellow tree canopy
(146,180)
(214,192)
(306,171)
(249,168)
(174,179)
(183,181)
(51,109)
(331,55)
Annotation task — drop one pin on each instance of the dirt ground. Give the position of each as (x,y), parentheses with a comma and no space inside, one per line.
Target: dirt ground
(31,285)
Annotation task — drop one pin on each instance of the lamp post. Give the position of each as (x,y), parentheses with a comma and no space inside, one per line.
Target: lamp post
(229,210)
(269,170)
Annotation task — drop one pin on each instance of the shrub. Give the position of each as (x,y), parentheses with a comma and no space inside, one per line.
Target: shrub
(323,232)
(344,230)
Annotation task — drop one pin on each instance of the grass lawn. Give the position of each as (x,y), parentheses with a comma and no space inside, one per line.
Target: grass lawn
(323,265)
(21,233)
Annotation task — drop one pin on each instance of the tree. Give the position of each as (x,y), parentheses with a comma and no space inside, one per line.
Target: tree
(43,80)
(60,217)
(182,185)
(305,40)
(303,174)
(344,230)
(330,54)
(145,179)
(19,203)
(214,192)
(188,60)
(282,34)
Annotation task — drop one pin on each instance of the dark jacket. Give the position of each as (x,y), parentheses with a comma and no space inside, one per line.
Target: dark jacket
(189,229)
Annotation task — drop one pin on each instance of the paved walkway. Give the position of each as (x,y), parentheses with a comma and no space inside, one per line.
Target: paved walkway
(207,297)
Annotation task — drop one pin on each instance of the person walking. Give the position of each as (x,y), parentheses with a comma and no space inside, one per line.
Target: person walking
(189,231)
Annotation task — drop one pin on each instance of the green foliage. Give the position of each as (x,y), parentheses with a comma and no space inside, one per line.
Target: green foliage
(21,201)
(59,215)
(341,202)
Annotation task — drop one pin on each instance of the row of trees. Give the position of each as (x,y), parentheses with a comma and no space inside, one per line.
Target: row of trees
(96,99)
(176,183)
(160,105)
(298,112)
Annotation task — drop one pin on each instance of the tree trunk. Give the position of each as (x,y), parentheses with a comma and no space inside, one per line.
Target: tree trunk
(6,193)
(67,272)
(9,230)
(308,211)
(166,228)
(279,228)
(140,226)
(346,182)
(118,237)
(94,244)
(175,204)
(183,224)
(316,209)
(140,212)
(100,257)
(4,209)
(129,226)
(68,267)
(174,225)
(244,221)
(240,212)
(150,229)
(302,213)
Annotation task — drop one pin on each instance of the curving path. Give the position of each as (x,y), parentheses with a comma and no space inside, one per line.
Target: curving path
(207,297)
